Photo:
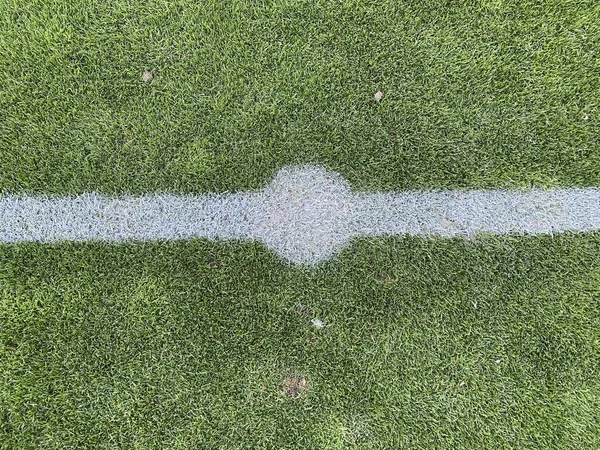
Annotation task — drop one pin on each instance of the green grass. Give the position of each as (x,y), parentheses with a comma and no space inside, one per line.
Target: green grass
(492,343)
(427,344)
(476,93)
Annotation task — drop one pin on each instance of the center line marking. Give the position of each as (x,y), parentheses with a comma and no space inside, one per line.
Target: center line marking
(306,215)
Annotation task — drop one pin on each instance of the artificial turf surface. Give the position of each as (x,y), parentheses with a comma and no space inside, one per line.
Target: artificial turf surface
(485,343)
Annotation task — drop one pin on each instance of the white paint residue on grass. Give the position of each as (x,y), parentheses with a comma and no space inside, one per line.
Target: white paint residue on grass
(317,323)
(305,215)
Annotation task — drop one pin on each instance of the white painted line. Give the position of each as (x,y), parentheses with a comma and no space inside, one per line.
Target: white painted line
(305,215)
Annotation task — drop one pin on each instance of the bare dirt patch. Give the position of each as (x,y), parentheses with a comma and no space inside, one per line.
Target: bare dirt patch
(294,386)
(147,76)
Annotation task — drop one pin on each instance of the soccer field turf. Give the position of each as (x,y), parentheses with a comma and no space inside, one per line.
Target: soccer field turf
(491,342)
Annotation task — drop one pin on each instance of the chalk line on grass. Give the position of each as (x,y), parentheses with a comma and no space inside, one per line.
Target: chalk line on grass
(306,215)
